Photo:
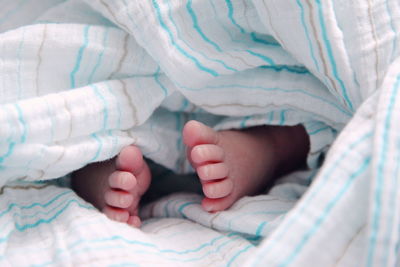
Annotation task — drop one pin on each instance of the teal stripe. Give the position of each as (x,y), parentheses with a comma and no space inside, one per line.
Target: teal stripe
(189,46)
(99,148)
(282,118)
(244,122)
(256,39)
(51,117)
(393,203)
(380,175)
(292,69)
(319,130)
(157,79)
(32,205)
(80,55)
(197,27)
(111,91)
(281,90)
(260,228)
(180,49)
(49,211)
(105,106)
(264,58)
(22,122)
(324,215)
(331,57)
(271,117)
(230,15)
(160,251)
(100,57)
(307,34)
(182,207)
(323,180)
(24,227)
(231,261)
(9,152)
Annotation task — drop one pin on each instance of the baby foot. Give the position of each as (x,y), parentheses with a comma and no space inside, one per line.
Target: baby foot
(115,186)
(236,163)
(230,164)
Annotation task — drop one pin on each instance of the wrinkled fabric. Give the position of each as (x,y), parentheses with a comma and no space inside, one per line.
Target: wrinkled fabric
(79,80)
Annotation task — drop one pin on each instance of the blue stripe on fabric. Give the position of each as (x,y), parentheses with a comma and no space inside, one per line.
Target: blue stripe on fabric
(282,118)
(282,90)
(380,175)
(105,104)
(99,148)
(166,207)
(230,15)
(100,57)
(264,58)
(230,262)
(49,211)
(292,69)
(244,214)
(244,122)
(157,79)
(153,246)
(392,203)
(271,117)
(24,227)
(323,180)
(243,41)
(319,130)
(189,46)
(168,251)
(331,57)
(306,237)
(260,228)
(80,55)
(22,122)
(256,39)
(9,152)
(182,207)
(111,91)
(51,119)
(310,44)
(180,49)
(32,205)
(197,27)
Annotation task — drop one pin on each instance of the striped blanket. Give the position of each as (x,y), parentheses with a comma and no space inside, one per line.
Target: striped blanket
(80,79)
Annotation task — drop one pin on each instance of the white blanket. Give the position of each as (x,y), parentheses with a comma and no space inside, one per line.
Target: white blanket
(79,80)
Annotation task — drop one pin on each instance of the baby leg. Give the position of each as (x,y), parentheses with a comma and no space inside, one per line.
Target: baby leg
(115,186)
(235,163)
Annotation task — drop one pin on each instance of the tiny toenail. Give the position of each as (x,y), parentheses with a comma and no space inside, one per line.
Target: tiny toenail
(208,208)
(125,178)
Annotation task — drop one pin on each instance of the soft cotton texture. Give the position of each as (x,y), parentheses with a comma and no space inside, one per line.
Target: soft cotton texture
(79,80)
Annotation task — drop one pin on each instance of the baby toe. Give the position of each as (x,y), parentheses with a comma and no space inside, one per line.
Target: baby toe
(214,171)
(134,221)
(115,214)
(218,189)
(219,204)
(122,180)
(130,159)
(118,199)
(206,153)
